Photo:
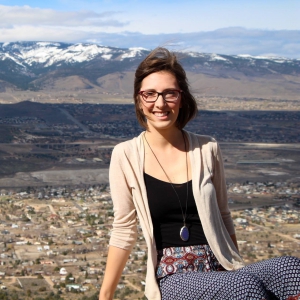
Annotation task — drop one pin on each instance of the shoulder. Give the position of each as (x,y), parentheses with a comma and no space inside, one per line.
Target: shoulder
(203,141)
(127,156)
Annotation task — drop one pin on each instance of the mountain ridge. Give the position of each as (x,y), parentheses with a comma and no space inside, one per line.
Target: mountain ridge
(36,66)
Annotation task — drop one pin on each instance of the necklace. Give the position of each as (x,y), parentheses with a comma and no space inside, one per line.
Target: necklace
(184,231)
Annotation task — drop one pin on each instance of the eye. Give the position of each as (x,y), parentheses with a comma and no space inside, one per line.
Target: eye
(149,94)
(171,93)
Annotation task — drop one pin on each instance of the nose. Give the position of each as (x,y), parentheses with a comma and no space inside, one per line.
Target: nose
(160,101)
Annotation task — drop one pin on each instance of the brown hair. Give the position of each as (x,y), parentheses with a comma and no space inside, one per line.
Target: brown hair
(161,59)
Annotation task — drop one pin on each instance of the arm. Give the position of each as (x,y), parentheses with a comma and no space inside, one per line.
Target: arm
(115,264)
(124,232)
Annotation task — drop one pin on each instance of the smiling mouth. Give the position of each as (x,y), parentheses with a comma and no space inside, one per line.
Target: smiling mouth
(161,114)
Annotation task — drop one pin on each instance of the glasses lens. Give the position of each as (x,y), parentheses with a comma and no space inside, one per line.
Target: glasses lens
(171,95)
(149,96)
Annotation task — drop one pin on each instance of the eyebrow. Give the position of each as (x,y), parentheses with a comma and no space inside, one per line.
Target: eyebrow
(154,90)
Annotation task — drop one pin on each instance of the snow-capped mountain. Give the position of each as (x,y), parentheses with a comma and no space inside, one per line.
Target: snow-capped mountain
(27,64)
(23,62)
(49,54)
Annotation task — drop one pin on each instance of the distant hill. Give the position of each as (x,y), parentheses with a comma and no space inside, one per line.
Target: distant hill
(39,66)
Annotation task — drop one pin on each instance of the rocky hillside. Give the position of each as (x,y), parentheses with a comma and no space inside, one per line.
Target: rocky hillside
(38,66)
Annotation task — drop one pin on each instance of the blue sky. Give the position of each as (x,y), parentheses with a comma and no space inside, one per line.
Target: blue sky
(226,27)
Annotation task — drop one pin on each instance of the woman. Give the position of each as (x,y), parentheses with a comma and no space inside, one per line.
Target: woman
(173,182)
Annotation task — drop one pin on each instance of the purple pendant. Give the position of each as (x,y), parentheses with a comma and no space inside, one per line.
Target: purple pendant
(184,233)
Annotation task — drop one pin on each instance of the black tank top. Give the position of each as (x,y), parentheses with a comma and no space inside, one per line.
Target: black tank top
(166,213)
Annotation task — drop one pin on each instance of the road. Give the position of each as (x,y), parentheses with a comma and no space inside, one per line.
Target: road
(70,117)
(269,230)
(128,283)
(49,281)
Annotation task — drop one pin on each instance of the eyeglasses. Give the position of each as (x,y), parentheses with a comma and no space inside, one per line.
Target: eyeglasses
(170,96)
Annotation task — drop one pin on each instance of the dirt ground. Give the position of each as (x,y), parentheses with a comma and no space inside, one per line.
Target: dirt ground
(242,161)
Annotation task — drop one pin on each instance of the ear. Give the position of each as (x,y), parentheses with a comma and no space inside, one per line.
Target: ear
(140,107)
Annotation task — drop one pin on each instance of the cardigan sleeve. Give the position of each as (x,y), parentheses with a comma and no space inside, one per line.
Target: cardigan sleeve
(124,231)
(221,189)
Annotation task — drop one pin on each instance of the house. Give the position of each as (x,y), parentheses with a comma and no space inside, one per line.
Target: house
(47,262)
(93,240)
(63,271)
(21,243)
(54,217)
(241,221)
(76,287)
(68,260)
(94,270)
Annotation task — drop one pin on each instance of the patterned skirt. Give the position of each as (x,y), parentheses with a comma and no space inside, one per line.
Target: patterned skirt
(198,258)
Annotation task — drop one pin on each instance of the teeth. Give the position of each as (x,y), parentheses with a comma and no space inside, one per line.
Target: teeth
(161,114)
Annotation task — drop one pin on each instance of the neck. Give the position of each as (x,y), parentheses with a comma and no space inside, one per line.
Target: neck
(165,138)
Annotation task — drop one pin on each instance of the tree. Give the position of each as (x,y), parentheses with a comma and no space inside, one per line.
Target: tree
(68,278)
(56,269)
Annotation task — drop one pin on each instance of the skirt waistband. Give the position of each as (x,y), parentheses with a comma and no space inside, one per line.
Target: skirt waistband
(199,258)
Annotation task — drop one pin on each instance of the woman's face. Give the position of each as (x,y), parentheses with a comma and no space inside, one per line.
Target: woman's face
(160,115)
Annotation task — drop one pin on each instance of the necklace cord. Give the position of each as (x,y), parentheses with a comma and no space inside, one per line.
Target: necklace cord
(187,178)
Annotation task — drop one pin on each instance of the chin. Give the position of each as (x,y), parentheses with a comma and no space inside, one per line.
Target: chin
(162,126)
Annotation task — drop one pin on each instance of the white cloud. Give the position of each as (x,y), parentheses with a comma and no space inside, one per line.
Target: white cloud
(31,33)
(25,23)
(284,43)
(234,40)
(26,15)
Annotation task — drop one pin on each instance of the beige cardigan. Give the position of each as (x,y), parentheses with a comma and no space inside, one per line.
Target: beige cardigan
(130,201)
